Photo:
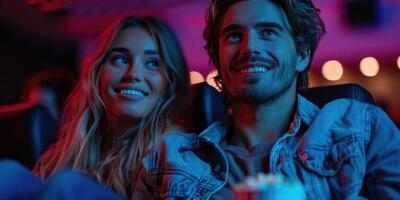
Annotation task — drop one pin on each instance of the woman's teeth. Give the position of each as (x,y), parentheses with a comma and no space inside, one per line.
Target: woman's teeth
(131,92)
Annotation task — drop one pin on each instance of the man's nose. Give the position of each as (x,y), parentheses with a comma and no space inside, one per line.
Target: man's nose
(251,43)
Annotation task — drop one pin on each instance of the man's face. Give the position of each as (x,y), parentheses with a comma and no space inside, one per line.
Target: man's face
(257,53)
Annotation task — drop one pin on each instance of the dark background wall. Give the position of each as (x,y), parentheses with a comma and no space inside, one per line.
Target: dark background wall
(30,41)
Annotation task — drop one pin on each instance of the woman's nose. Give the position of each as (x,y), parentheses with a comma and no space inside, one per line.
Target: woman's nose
(134,72)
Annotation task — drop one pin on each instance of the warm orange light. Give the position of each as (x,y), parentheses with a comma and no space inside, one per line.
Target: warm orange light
(398,62)
(210,79)
(332,70)
(369,66)
(196,77)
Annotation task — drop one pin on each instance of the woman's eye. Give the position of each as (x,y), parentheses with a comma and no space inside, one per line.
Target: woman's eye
(153,63)
(120,60)
(234,37)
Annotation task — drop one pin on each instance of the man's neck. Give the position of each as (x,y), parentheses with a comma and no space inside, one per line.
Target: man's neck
(266,122)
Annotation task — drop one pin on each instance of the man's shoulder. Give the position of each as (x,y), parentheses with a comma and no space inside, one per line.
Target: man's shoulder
(344,117)
(340,111)
(348,107)
(371,116)
(355,110)
(346,102)
(342,122)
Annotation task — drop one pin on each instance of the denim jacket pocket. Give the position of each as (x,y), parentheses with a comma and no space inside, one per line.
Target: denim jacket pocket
(327,160)
(178,184)
(175,183)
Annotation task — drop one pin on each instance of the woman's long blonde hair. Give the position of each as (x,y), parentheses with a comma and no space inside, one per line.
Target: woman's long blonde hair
(84,120)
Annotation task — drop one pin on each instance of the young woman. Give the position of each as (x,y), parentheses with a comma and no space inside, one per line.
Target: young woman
(129,94)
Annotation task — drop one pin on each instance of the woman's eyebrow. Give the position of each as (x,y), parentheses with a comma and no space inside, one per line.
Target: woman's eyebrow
(151,52)
(120,50)
(124,50)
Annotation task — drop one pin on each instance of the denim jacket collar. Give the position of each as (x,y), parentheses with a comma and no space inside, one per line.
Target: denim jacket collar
(306,111)
(216,131)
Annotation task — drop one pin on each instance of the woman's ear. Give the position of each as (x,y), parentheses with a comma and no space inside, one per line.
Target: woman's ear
(303,59)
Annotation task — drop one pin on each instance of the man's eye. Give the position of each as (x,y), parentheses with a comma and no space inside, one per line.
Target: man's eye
(234,37)
(266,33)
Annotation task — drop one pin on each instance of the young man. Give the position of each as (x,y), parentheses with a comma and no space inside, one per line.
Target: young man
(262,50)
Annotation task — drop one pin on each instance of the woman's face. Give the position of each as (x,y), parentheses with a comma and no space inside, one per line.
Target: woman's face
(132,79)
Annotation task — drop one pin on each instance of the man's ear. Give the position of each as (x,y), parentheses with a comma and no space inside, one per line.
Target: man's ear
(303,59)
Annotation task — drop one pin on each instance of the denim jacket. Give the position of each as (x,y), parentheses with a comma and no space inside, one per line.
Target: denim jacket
(346,150)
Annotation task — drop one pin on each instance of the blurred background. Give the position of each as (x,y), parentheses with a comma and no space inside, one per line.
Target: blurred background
(43,42)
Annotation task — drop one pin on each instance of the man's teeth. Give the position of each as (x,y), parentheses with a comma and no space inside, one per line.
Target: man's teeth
(254,69)
(132,92)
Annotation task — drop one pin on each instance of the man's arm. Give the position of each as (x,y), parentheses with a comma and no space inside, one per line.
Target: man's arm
(382,179)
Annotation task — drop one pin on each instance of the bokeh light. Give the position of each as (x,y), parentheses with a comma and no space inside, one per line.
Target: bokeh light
(398,62)
(210,79)
(369,66)
(196,77)
(332,70)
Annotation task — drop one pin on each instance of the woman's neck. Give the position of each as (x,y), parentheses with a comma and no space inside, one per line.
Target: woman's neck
(116,128)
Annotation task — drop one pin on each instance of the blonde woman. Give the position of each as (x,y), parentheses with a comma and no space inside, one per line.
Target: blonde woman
(130,92)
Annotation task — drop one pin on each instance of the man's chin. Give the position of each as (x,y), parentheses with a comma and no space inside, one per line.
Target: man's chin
(252,97)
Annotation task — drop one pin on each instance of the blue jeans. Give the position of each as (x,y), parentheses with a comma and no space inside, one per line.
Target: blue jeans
(18,183)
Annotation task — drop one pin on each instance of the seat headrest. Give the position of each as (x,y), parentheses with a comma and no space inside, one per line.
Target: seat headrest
(206,107)
(26,131)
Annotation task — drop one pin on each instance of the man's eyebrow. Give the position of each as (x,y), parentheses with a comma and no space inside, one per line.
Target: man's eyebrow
(269,24)
(230,28)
